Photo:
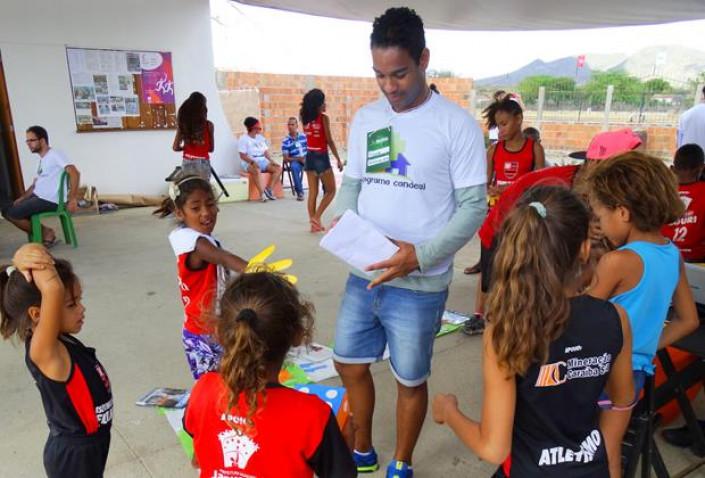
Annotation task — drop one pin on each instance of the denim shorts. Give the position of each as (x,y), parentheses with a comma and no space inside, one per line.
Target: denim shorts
(639,377)
(317,162)
(262,162)
(196,167)
(405,319)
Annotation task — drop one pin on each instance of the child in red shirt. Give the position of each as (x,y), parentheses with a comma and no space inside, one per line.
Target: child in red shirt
(203,267)
(244,423)
(688,232)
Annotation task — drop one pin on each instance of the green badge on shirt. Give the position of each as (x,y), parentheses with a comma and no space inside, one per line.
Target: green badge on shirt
(379,150)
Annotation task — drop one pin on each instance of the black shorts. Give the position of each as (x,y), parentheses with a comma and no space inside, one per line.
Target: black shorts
(83,457)
(317,162)
(29,207)
(486,258)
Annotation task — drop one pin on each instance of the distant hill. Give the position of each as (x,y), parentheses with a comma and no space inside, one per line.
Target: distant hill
(673,63)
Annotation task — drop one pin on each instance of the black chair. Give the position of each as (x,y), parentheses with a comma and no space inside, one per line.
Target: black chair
(638,442)
(286,169)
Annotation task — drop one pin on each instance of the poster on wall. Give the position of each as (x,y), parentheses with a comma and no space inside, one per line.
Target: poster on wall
(121,89)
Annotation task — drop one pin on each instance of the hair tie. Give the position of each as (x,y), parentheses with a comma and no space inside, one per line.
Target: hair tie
(9,270)
(539,207)
(248,316)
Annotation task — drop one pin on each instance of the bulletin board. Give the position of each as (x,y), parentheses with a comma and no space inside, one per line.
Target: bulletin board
(121,90)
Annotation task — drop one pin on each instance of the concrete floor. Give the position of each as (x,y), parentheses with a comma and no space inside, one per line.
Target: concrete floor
(134,321)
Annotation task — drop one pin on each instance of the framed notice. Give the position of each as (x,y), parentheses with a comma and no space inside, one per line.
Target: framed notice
(121,90)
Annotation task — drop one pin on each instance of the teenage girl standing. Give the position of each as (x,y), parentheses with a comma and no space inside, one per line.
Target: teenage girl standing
(194,136)
(319,139)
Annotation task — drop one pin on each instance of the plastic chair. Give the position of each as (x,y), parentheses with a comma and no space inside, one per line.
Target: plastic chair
(61,212)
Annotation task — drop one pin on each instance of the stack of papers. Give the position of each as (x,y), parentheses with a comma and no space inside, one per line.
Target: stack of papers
(357,242)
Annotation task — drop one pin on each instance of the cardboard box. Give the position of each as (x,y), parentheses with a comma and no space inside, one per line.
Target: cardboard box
(237,188)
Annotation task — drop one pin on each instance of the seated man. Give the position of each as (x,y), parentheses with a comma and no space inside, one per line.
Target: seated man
(42,195)
(294,149)
(688,232)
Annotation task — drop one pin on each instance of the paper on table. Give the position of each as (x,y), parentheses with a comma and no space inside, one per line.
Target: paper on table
(357,242)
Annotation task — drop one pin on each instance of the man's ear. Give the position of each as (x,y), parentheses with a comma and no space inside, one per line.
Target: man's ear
(425,59)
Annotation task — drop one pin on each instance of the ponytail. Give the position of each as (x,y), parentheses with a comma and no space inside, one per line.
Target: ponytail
(537,257)
(242,366)
(507,103)
(262,316)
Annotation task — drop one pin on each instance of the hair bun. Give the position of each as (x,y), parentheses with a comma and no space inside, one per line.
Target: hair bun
(248,316)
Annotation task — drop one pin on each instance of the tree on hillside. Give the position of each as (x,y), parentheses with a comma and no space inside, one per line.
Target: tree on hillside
(657,85)
(528,88)
(627,89)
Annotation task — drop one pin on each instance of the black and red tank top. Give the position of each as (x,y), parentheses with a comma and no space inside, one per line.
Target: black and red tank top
(511,165)
(83,404)
(556,422)
(199,150)
(316,135)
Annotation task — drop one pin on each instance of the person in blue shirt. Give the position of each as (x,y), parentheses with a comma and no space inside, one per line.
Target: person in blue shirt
(294,153)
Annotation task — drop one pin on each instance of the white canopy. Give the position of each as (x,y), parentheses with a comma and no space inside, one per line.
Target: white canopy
(506,14)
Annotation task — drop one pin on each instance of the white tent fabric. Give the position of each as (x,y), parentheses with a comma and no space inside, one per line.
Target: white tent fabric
(506,14)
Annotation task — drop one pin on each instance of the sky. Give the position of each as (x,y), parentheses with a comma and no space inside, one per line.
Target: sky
(247,38)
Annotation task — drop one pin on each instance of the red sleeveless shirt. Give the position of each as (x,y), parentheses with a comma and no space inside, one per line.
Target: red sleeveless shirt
(316,135)
(511,165)
(199,150)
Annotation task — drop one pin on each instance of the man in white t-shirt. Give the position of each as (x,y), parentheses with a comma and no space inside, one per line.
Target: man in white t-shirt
(691,127)
(43,194)
(417,172)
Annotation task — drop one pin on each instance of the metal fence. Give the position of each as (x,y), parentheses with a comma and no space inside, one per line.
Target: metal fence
(605,107)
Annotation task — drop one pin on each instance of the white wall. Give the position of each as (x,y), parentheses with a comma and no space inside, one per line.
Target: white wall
(33,37)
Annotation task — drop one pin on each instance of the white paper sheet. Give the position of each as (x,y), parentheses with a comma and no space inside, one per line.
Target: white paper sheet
(357,242)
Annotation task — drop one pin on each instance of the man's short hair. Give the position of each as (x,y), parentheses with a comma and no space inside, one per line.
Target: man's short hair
(402,28)
(39,132)
(292,118)
(688,157)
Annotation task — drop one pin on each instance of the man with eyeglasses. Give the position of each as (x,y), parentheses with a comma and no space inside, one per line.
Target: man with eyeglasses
(43,194)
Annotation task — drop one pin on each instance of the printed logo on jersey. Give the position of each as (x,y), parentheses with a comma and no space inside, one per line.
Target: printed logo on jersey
(237,448)
(103,376)
(557,455)
(399,166)
(554,374)
(104,412)
(511,169)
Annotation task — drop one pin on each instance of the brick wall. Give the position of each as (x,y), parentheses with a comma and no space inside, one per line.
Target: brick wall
(280,97)
(660,140)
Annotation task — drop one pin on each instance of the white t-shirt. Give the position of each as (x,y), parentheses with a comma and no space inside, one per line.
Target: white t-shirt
(691,128)
(253,147)
(436,148)
(46,185)
(493,134)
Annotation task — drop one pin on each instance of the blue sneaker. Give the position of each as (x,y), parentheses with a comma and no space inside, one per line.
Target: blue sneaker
(366,462)
(399,469)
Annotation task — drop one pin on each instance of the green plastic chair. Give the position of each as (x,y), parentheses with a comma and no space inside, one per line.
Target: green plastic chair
(61,212)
